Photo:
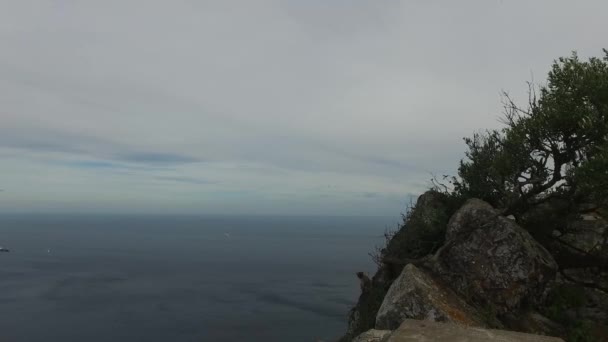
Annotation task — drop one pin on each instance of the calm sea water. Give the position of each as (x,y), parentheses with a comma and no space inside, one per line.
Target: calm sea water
(127,278)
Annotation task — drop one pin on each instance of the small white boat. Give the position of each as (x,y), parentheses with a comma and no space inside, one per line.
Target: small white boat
(2,249)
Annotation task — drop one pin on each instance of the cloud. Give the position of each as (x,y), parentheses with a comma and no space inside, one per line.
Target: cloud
(187,180)
(93,164)
(370,194)
(157,158)
(271,100)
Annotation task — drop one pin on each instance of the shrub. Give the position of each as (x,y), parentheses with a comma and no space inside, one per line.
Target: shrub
(557,146)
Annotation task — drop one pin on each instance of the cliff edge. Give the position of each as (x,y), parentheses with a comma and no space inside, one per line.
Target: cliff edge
(468,265)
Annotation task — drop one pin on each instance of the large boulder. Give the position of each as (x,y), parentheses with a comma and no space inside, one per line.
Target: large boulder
(416,295)
(430,204)
(473,214)
(491,261)
(373,335)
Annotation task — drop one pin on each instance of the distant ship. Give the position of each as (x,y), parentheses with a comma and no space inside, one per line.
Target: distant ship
(2,249)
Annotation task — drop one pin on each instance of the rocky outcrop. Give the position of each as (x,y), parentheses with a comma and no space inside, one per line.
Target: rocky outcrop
(423,230)
(582,250)
(595,306)
(421,233)
(475,267)
(588,235)
(363,316)
(416,295)
(430,205)
(474,214)
(373,335)
(491,261)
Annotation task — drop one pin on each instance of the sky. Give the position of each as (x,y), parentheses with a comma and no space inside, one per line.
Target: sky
(261,107)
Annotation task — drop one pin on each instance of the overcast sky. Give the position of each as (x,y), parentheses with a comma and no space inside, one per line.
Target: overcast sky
(260,107)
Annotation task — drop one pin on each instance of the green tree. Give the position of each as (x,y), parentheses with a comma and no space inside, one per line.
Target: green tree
(556,146)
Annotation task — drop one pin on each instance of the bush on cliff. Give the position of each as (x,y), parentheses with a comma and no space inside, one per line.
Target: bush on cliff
(555,147)
(547,165)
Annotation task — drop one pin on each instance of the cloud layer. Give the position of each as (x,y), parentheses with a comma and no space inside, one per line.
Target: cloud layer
(266,107)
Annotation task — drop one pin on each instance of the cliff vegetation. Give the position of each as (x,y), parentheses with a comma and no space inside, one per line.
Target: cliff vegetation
(518,240)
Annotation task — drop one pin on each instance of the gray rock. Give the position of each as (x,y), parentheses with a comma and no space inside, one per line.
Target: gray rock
(373,335)
(362,317)
(475,213)
(424,229)
(533,322)
(428,204)
(594,276)
(421,235)
(596,306)
(424,331)
(415,294)
(491,260)
(590,234)
(580,246)
(584,303)
(354,323)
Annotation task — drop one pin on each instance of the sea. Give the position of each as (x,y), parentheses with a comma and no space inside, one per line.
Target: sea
(182,278)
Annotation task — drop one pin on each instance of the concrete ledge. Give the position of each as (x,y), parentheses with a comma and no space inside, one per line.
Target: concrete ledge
(429,331)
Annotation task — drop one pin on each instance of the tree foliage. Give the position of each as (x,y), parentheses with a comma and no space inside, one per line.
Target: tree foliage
(556,146)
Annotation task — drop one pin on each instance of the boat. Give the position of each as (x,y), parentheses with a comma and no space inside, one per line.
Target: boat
(2,249)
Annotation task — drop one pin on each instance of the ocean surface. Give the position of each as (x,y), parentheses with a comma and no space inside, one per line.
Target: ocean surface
(162,278)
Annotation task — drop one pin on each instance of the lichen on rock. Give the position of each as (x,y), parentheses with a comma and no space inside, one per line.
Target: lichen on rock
(490,260)
(416,295)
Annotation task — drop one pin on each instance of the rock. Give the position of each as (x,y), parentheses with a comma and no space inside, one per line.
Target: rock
(533,322)
(547,216)
(580,247)
(589,234)
(354,323)
(595,307)
(473,214)
(373,335)
(364,282)
(414,294)
(573,304)
(492,261)
(429,204)
(594,276)
(423,229)
(363,316)
(424,331)
(587,207)
(421,234)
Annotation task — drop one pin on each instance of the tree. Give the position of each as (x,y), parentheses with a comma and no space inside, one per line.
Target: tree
(556,146)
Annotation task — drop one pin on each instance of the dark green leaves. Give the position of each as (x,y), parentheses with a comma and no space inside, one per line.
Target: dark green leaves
(557,145)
